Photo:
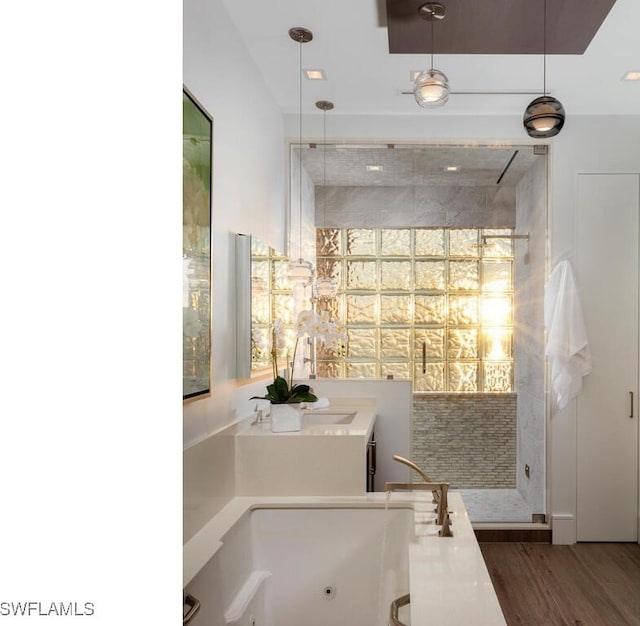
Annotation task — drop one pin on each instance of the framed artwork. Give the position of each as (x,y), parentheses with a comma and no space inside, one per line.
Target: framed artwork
(197,142)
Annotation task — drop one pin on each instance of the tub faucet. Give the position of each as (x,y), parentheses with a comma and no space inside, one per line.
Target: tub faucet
(439,490)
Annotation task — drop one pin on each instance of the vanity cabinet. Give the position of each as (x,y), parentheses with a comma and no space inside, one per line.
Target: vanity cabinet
(322,459)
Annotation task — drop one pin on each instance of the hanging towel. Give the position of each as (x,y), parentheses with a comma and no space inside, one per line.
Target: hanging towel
(567,345)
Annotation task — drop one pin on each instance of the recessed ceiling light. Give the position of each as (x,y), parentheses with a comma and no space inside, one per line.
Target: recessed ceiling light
(632,75)
(375,168)
(451,168)
(315,74)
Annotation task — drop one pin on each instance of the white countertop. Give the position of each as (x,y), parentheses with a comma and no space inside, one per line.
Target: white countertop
(361,425)
(450,584)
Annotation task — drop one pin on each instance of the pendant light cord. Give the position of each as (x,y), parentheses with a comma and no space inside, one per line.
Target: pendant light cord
(432,42)
(300,154)
(544,52)
(324,162)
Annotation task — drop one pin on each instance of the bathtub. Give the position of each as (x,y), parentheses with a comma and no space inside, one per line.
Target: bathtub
(337,562)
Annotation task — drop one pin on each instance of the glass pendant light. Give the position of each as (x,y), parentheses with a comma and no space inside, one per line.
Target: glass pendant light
(431,87)
(544,117)
(325,287)
(300,271)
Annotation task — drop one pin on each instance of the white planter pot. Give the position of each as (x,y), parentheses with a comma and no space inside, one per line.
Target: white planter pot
(285,418)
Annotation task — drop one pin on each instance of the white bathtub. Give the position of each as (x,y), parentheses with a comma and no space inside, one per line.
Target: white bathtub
(311,566)
(337,562)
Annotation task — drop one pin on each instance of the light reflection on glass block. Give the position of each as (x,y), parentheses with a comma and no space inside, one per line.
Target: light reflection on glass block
(329,369)
(259,248)
(395,242)
(429,310)
(361,370)
(394,343)
(260,310)
(497,376)
(463,376)
(395,275)
(430,275)
(331,307)
(429,242)
(362,342)
(496,276)
(282,307)
(497,247)
(260,346)
(463,275)
(432,379)
(362,309)
(495,310)
(463,310)
(463,343)
(361,242)
(463,242)
(434,340)
(395,309)
(330,268)
(497,344)
(328,241)
(397,370)
(280,275)
(362,275)
(259,277)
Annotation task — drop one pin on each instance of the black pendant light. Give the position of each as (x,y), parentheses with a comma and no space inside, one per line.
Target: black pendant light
(544,117)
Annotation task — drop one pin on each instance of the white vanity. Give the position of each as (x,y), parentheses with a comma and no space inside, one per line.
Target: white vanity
(327,456)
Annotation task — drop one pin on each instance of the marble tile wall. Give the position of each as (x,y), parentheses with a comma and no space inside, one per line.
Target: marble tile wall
(529,340)
(355,207)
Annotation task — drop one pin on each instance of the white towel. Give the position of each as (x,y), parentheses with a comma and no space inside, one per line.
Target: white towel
(567,344)
(320,403)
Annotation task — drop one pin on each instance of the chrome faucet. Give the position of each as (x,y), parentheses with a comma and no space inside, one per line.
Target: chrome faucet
(440,493)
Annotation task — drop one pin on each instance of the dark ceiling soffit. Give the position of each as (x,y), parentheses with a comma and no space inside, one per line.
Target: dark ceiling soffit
(496,26)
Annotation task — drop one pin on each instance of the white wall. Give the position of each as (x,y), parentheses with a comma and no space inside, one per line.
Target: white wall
(249,183)
(596,145)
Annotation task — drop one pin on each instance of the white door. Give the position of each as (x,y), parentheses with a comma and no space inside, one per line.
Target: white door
(607,434)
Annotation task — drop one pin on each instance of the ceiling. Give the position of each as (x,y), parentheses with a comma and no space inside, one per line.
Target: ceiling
(414,165)
(351,45)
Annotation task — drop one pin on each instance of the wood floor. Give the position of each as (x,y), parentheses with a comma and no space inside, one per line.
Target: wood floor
(586,584)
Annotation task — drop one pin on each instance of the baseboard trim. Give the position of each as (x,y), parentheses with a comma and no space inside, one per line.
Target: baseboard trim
(526,533)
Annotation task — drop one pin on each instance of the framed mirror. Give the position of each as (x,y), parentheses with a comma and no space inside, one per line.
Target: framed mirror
(197,142)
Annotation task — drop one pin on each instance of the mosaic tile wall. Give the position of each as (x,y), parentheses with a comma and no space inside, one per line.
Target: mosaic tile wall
(466,440)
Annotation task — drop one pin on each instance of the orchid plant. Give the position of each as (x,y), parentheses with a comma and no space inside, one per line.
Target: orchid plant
(308,324)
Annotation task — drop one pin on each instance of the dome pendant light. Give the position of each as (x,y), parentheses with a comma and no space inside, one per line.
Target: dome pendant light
(431,87)
(544,117)
(300,271)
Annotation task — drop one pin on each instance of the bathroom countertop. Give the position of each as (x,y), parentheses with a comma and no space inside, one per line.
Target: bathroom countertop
(450,584)
(361,425)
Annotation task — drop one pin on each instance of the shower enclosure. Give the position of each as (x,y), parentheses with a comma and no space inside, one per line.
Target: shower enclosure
(437,259)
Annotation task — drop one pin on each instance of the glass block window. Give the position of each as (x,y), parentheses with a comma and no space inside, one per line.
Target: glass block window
(270,300)
(431,304)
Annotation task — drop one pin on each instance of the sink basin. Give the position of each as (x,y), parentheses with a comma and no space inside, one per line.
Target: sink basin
(312,419)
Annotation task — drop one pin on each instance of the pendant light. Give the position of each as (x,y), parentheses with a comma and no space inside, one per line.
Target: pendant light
(544,117)
(431,87)
(300,270)
(325,286)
